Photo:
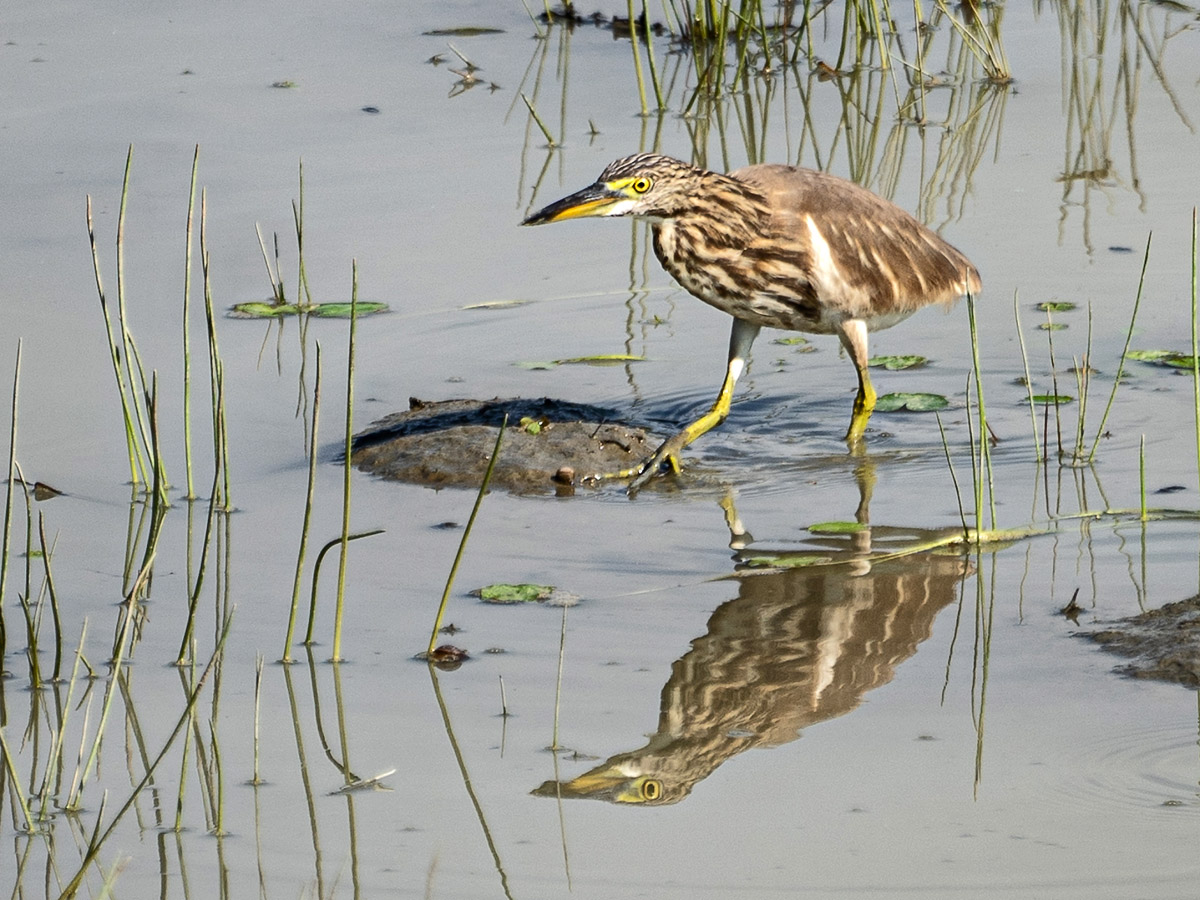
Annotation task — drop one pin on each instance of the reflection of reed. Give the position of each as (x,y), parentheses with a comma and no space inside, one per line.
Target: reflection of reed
(305,780)
(793,648)
(1105,48)
(466,777)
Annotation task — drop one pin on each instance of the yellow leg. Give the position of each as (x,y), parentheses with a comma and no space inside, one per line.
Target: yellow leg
(853,335)
(667,455)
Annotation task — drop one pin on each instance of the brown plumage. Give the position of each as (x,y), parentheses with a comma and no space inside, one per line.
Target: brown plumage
(779,246)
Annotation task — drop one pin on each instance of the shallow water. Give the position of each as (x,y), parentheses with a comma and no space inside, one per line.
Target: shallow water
(921,767)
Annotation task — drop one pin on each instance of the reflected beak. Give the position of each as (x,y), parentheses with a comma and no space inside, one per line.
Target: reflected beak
(591,201)
(602,783)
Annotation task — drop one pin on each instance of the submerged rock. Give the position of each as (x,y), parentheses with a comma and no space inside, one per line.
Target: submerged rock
(1164,643)
(548,445)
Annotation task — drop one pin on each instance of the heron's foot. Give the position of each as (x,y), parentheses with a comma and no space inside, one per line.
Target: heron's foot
(863,405)
(664,459)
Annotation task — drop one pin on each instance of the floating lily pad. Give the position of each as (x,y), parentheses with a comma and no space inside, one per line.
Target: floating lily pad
(897,362)
(264,309)
(1053,399)
(916,402)
(1052,326)
(463,31)
(1057,306)
(1180,362)
(838,528)
(790,341)
(1151,356)
(514,593)
(1172,358)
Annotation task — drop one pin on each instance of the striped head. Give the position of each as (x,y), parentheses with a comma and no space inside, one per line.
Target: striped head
(649,185)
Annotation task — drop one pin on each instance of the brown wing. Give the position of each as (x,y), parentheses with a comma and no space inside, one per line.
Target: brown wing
(868,257)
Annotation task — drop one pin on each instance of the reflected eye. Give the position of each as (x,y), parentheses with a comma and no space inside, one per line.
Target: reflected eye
(642,185)
(651,787)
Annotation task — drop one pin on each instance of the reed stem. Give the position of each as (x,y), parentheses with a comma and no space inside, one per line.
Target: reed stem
(1137,302)
(306,525)
(187,337)
(347,469)
(462,545)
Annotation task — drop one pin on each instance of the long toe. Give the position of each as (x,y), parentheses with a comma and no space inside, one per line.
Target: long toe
(665,458)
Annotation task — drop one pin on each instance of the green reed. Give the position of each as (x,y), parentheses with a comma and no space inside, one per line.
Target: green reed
(1195,345)
(309,638)
(982,468)
(306,523)
(25,598)
(216,373)
(187,320)
(6,532)
(1137,302)
(1037,447)
(462,544)
(122,350)
(47,551)
(259,661)
(274,273)
(550,141)
(347,468)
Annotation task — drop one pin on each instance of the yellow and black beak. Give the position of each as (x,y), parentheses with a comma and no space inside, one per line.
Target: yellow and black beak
(595,200)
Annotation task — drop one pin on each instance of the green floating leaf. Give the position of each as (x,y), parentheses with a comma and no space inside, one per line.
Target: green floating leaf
(789,341)
(1152,355)
(600,359)
(514,593)
(262,309)
(265,309)
(838,528)
(342,310)
(463,31)
(1057,306)
(1052,326)
(918,402)
(1053,399)
(1180,362)
(1171,358)
(897,362)
(785,561)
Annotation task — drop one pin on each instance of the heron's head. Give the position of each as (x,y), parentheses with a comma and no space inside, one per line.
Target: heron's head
(644,185)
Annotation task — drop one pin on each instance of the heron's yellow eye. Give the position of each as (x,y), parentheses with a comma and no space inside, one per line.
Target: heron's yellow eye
(651,787)
(641,185)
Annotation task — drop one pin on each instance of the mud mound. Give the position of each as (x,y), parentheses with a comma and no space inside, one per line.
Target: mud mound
(1164,643)
(448,444)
